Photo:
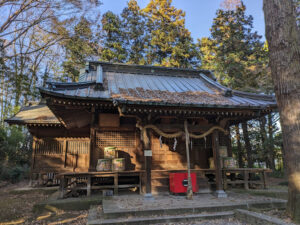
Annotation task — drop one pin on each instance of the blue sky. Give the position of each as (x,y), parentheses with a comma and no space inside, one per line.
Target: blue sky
(199,13)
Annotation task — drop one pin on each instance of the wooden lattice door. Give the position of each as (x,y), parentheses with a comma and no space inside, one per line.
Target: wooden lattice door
(126,144)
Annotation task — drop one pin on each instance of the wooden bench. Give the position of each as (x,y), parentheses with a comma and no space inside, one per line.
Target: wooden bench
(246,176)
(69,180)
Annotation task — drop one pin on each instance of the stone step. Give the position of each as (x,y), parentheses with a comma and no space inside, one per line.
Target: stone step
(161,219)
(258,218)
(126,213)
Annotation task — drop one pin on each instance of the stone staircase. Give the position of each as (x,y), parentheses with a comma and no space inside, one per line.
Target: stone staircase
(110,216)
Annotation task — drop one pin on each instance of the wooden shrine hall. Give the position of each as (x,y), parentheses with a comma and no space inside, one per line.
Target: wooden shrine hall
(160,120)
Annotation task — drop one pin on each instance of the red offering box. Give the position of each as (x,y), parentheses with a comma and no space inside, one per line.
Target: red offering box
(178,182)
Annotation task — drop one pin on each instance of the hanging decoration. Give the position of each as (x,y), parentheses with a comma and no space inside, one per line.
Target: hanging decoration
(175,144)
(177,134)
(187,135)
(160,141)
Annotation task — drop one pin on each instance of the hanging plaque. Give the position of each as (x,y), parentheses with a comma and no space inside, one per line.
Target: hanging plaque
(147,152)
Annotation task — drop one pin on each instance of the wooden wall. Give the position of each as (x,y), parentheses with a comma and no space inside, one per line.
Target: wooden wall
(60,154)
(60,150)
(167,158)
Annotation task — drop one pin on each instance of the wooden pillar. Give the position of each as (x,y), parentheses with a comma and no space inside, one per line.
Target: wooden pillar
(228,141)
(116,183)
(92,140)
(62,186)
(215,146)
(88,185)
(246,179)
(65,151)
(264,176)
(32,160)
(189,193)
(148,162)
(92,147)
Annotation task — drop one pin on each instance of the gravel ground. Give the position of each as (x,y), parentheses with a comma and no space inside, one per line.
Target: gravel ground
(279,213)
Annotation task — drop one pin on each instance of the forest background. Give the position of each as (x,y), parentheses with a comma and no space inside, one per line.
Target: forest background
(44,41)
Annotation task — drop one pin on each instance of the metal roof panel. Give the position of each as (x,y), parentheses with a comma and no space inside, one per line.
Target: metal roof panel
(150,85)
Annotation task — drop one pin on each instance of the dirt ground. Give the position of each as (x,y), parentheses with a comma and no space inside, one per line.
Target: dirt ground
(16,208)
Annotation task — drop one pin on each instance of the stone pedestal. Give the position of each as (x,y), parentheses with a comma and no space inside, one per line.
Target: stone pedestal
(148,197)
(220,194)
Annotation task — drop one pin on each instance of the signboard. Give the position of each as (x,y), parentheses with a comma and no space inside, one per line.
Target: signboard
(147,152)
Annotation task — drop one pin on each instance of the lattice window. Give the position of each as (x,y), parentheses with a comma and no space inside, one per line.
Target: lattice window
(78,147)
(48,147)
(119,139)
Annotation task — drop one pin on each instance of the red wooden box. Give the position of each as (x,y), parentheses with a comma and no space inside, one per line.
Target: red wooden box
(178,182)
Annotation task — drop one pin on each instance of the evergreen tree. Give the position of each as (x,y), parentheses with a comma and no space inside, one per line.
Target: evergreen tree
(170,43)
(234,51)
(113,49)
(283,35)
(134,33)
(80,46)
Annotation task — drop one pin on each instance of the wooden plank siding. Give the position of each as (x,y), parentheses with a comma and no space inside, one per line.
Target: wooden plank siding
(61,154)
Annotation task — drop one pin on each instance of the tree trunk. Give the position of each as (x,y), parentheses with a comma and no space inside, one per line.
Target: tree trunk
(247,144)
(239,146)
(284,48)
(271,142)
(263,136)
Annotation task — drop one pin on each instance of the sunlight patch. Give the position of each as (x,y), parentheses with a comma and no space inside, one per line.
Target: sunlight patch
(68,220)
(44,216)
(295,179)
(13,222)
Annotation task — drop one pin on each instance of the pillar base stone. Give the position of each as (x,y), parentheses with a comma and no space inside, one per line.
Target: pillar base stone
(148,197)
(220,194)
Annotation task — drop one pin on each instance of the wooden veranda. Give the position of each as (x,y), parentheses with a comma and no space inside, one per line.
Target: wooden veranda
(71,182)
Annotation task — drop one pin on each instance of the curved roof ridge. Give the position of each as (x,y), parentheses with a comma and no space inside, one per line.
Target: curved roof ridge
(214,83)
(148,66)
(150,69)
(254,95)
(236,92)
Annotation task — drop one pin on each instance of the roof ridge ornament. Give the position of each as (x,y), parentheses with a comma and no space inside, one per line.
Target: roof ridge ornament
(228,93)
(99,78)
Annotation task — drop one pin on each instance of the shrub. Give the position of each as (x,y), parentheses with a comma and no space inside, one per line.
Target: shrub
(14,173)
